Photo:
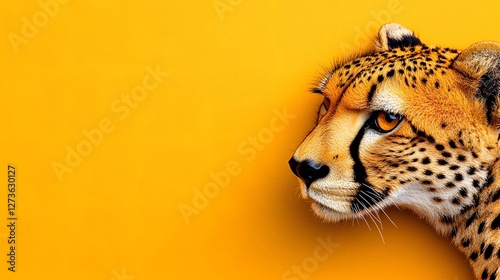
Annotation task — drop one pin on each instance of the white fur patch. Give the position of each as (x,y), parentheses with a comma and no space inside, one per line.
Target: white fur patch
(386,99)
(393,31)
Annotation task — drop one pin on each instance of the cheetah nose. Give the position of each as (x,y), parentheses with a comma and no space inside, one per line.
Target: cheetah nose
(308,171)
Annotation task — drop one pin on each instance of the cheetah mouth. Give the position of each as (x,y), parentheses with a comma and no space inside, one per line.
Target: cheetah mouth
(328,202)
(329,213)
(334,215)
(347,201)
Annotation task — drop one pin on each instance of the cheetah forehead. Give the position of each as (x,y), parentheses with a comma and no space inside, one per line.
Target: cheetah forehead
(412,67)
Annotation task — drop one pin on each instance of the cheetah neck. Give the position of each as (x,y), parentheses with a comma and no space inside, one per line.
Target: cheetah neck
(475,230)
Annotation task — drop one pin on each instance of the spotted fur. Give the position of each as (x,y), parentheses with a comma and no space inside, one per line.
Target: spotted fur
(441,161)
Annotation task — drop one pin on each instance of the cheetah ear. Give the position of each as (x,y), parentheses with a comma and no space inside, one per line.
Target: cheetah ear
(393,35)
(481,63)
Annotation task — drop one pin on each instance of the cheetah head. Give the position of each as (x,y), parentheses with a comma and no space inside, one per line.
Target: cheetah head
(403,124)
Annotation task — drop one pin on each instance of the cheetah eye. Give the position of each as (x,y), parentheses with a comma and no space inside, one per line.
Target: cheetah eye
(385,122)
(323,109)
(326,103)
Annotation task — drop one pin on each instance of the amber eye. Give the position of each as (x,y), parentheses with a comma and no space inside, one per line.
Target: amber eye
(385,122)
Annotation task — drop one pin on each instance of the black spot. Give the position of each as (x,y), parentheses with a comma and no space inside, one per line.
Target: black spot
(418,132)
(446,154)
(454,167)
(453,232)
(465,209)
(474,155)
(426,160)
(440,176)
(488,251)
(450,185)
(390,73)
(476,185)
(443,125)
(489,181)
(476,200)
(439,147)
(447,219)
(437,199)
(371,92)
(485,274)
(428,172)
(459,177)
(493,275)
(431,139)
(442,162)
(455,201)
(495,224)
(496,196)
(465,242)
(452,144)
(411,168)
(470,219)
(380,78)
(473,256)
(480,229)
(461,158)
(431,189)
(426,182)
(463,192)
(436,85)
(424,81)
(471,170)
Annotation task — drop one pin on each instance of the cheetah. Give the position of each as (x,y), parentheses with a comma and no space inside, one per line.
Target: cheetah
(412,125)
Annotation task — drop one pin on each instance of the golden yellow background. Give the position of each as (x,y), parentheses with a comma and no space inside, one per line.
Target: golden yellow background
(151,138)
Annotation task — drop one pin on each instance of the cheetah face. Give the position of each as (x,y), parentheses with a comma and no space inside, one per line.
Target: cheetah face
(403,124)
